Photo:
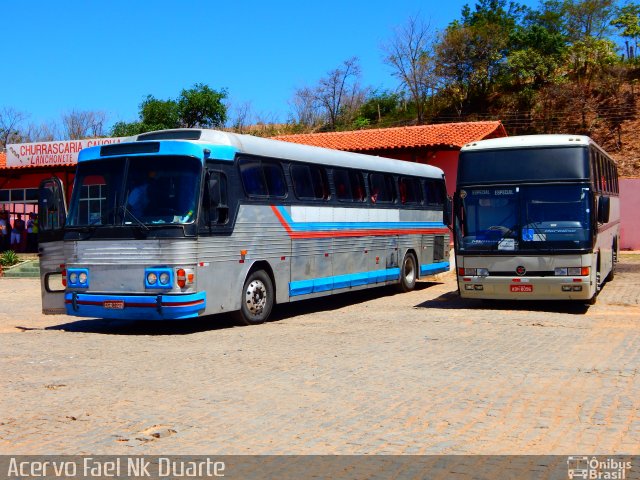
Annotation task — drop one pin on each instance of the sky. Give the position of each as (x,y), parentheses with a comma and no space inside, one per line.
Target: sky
(109,55)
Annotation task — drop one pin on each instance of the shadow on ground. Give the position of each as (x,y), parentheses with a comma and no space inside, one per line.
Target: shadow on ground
(452,301)
(223,321)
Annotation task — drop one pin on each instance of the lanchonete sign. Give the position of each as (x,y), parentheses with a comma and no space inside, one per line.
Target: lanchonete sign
(42,154)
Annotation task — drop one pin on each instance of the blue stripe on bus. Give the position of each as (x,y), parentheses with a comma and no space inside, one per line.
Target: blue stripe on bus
(433,268)
(322,226)
(173,307)
(315,285)
(176,147)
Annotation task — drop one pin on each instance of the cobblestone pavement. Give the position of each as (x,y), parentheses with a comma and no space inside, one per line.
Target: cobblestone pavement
(369,372)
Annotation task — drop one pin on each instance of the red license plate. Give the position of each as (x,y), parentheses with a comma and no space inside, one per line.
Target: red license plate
(114,304)
(522,288)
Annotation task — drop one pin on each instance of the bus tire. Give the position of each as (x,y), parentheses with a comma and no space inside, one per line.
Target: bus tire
(594,298)
(408,273)
(257,298)
(614,260)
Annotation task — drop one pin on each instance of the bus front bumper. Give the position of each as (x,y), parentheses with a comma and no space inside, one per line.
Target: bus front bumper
(135,307)
(526,288)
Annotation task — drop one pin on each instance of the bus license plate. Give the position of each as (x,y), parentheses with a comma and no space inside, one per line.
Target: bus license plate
(114,304)
(522,288)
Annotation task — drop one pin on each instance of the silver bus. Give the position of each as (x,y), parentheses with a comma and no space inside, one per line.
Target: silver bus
(182,223)
(536,217)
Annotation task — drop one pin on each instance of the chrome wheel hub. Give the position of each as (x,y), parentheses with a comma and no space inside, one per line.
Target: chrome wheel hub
(256,297)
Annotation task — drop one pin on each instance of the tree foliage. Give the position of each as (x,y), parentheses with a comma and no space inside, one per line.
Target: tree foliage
(199,106)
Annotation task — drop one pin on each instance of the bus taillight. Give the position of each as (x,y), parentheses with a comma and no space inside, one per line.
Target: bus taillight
(181,277)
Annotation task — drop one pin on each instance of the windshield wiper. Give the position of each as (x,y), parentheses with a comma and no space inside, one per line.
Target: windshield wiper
(126,211)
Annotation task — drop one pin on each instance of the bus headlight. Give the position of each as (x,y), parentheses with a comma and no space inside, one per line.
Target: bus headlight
(572,271)
(473,272)
(158,277)
(78,277)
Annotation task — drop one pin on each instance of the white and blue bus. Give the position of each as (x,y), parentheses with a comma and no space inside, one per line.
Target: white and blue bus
(182,223)
(536,217)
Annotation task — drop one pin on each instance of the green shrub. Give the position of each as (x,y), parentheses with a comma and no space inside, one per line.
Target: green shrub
(9,258)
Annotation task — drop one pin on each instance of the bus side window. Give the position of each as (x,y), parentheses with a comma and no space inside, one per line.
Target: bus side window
(252,178)
(410,191)
(381,187)
(274,177)
(343,186)
(309,182)
(217,196)
(357,186)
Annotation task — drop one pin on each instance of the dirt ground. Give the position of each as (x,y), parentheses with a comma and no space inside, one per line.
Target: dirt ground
(369,372)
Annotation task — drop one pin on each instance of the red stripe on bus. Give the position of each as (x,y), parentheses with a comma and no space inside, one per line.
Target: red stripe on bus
(137,305)
(363,233)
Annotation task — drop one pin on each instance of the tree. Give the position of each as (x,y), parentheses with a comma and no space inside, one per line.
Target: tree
(472,51)
(83,124)
(410,54)
(200,106)
(241,117)
(378,105)
(334,100)
(11,121)
(339,93)
(306,109)
(627,21)
(588,18)
(159,114)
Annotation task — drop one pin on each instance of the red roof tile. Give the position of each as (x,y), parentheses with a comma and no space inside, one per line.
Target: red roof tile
(3,160)
(444,134)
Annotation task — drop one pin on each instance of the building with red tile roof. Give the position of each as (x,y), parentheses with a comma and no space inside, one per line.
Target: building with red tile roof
(452,135)
(437,145)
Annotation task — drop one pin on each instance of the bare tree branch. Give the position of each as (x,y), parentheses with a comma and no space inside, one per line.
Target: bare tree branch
(410,53)
(10,125)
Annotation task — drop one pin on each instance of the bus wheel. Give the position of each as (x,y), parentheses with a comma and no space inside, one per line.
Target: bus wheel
(408,273)
(257,298)
(593,299)
(614,260)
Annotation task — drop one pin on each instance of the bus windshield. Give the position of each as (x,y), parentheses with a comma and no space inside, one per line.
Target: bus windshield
(145,190)
(524,218)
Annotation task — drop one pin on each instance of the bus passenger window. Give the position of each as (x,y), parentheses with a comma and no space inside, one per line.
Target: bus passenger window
(410,192)
(343,186)
(262,178)
(382,188)
(309,182)
(252,178)
(435,193)
(274,176)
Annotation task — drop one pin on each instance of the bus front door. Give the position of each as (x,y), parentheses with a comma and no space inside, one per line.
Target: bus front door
(52,213)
